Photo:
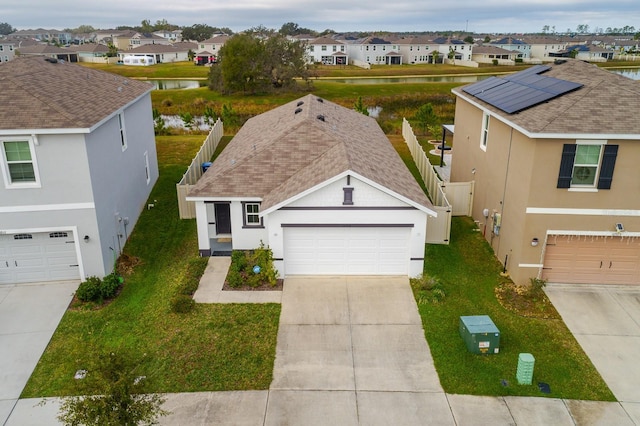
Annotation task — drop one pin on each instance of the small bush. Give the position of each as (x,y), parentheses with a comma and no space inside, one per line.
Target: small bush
(110,285)
(495,62)
(182,304)
(89,290)
(428,289)
(536,286)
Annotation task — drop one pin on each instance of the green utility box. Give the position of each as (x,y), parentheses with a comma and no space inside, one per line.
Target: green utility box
(480,334)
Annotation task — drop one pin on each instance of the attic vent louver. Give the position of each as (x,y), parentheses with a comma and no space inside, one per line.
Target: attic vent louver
(300,103)
(320,117)
(297,111)
(320,100)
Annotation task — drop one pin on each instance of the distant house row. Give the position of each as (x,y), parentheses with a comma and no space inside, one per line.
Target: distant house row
(167,46)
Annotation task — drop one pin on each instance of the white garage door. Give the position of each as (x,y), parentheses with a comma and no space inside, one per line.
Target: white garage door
(346,251)
(36,257)
(592,260)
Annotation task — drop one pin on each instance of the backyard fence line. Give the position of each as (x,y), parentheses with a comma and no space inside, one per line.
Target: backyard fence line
(194,172)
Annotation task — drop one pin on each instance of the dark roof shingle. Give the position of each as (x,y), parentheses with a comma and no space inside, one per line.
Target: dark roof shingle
(281,153)
(38,94)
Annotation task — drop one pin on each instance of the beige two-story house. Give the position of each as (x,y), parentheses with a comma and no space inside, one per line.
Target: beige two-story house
(553,151)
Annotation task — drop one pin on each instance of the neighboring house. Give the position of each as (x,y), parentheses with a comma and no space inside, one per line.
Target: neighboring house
(49,51)
(327,51)
(92,52)
(122,40)
(543,47)
(161,53)
(146,39)
(322,186)
(553,152)
(211,46)
(417,50)
(486,54)
(586,52)
(174,36)
(453,49)
(42,34)
(7,50)
(522,48)
(77,163)
(375,51)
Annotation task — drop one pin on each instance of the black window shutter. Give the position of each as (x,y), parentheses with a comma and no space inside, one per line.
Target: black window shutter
(608,163)
(566,165)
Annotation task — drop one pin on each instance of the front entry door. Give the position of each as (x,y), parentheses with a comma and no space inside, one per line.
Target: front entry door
(223,218)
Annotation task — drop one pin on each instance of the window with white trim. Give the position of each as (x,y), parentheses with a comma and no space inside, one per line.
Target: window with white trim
(147,173)
(19,167)
(252,214)
(123,133)
(587,165)
(484,138)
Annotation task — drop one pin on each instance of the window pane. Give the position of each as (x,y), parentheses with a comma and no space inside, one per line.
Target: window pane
(22,172)
(253,219)
(588,154)
(17,151)
(584,175)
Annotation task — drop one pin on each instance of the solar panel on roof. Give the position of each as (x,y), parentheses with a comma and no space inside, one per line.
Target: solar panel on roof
(521,90)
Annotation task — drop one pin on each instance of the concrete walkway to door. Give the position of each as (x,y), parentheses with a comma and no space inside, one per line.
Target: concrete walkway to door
(351,350)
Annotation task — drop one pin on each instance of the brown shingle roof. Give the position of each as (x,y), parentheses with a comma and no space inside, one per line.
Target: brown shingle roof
(603,105)
(279,154)
(38,94)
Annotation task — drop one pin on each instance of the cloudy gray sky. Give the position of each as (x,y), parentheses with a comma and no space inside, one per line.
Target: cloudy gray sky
(493,16)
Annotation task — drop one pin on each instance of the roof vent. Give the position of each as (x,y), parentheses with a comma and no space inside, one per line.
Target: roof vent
(297,111)
(320,100)
(320,117)
(51,60)
(300,103)
(559,61)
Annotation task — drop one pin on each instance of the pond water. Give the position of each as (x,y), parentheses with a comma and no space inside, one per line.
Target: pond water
(632,73)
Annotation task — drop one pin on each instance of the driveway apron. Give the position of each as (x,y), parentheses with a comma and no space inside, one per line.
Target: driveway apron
(351,350)
(29,314)
(605,320)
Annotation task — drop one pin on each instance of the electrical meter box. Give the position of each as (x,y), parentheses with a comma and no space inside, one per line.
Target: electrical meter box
(480,334)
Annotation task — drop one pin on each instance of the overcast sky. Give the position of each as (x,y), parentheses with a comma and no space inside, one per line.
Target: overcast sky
(480,16)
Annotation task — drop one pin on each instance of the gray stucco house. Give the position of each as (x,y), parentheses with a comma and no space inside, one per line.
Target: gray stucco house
(77,164)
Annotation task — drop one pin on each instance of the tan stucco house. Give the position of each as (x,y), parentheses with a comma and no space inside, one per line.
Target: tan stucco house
(553,152)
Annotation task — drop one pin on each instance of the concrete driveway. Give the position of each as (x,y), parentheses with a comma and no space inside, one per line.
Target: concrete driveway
(29,314)
(352,347)
(606,322)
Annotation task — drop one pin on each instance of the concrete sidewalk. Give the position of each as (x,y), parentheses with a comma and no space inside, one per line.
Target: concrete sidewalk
(351,351)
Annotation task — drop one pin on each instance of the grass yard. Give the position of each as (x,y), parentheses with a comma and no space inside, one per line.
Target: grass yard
(215,347)
(469,274)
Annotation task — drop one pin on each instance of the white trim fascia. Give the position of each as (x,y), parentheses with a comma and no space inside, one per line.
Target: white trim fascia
(530,265)
(73,229)
(357,176)
(592,233)
(47,207)
(608,136)
(31,132)
(582,212)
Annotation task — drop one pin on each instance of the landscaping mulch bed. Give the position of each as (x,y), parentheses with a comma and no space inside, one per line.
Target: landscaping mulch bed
(264,287)
(516,298)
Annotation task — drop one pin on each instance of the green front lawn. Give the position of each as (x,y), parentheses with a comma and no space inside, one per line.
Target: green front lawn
(215,347)
(470,273)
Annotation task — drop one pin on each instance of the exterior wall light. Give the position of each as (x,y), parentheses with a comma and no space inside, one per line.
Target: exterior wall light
(534,242)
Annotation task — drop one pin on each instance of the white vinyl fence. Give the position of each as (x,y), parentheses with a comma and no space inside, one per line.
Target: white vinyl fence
(449,199)
(194,172)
